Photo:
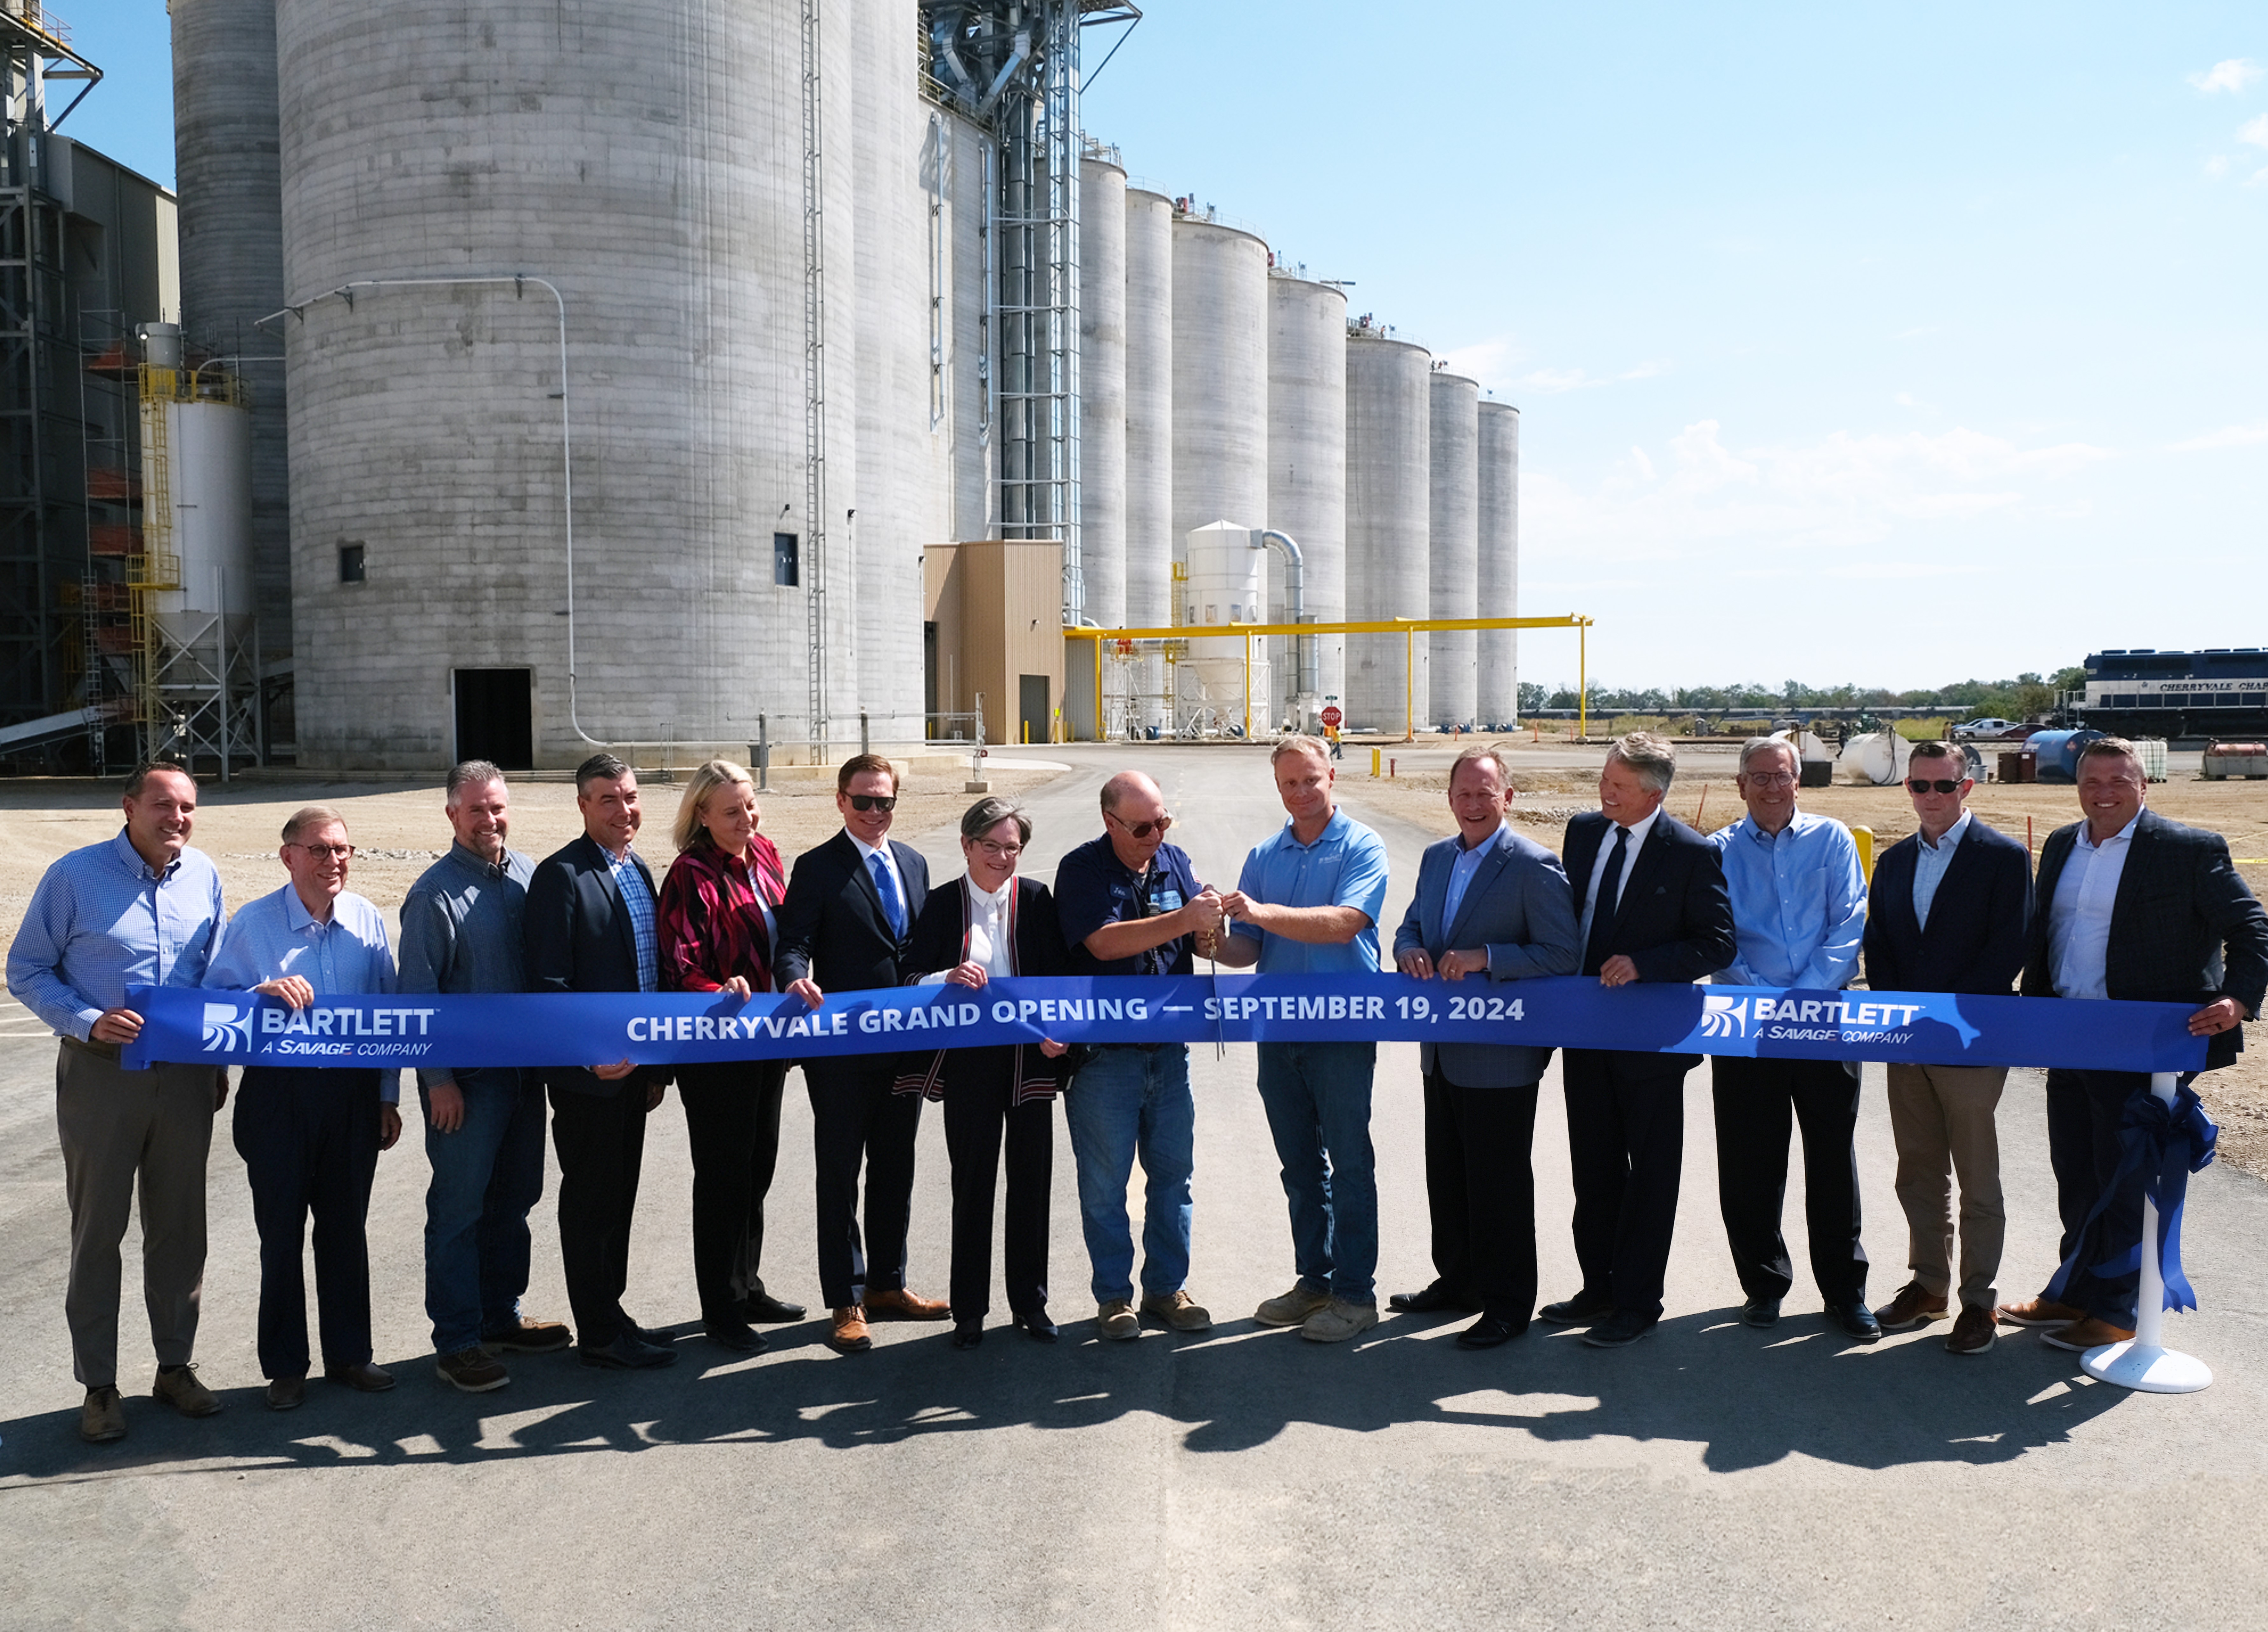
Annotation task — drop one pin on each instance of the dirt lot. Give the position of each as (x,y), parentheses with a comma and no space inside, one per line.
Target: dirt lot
(2237,1097)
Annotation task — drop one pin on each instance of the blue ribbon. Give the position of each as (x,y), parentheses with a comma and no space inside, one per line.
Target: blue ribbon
(2160,1144)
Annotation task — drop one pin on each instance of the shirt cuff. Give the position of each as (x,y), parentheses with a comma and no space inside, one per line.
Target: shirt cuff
(81,1025)
(937,979)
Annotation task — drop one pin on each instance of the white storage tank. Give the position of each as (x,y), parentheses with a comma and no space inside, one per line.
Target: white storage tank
(1227,585)
(1220,376)
(1452,543)
(1102,389)
(1306,461)
(1496,665)
(1387,571)
(1150,440)
(207,454)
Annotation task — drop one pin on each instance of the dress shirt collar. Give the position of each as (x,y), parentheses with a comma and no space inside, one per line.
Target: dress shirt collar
(997,899)
(1954,835)
(2087,834)
(1491,837)
(464,856)
(867,853)
(297,917)
(1800,822)
(131,860)
(1639,829)
(1336,828)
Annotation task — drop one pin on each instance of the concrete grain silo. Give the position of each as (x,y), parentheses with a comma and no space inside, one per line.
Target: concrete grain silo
(1307,458)
(665,197)
(1388,514)
(1102,423)
(1452,543)
(232,249)
(1497,672)
(964,398)
(1149,432)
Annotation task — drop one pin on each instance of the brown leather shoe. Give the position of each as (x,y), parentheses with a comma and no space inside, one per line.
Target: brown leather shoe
(1973,1332)
(180,1390)
(1911,1309)
(363,1379)
(102,1417)
(2082,1335)
(850,1335)
(902,1305)
(2038,1311)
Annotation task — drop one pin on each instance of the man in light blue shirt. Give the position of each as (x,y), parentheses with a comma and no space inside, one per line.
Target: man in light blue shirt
(1307,902)
(310,1136)
(139,909)
(1799,914)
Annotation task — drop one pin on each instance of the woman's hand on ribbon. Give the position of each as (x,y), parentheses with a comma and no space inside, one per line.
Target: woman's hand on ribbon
(971,974)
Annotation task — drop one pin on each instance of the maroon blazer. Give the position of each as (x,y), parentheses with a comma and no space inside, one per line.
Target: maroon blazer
(709,919)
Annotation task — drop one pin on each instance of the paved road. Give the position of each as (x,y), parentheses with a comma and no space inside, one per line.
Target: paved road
(1712,1476)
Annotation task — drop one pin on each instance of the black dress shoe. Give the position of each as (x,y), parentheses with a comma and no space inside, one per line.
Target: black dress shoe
(628,1352)
(736,1334)
(1433,1299)
(1857,1320)
(1579,1310)
(967,1334)
(1621,1329)
(1037,1326)
(764,1308)
(1488,1332)
(1761,1312)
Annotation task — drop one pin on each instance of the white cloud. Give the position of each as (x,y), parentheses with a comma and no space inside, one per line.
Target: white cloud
(1551,381)
(1484,360)
(2255,131)
(2228,436)
(2234,74)
(2217,167)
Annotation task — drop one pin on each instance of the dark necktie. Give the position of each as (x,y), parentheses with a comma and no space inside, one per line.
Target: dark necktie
(1602,912)
(892,907)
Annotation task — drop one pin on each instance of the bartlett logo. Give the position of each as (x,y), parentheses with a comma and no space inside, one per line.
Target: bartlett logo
(227,1027)
(1724,1016)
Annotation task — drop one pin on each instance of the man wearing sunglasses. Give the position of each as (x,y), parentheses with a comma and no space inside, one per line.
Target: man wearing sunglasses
(1952,907)
(1130,903)
(845,926)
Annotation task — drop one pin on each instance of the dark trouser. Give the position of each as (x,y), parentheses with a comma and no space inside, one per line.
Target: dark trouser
(732,1127)
(1626,1143)
(487,1175)
(855,1116)
(1480,1187)
(978,1116)
(2085,1108)
(309,1141)
(1754,1098)
(600,1139)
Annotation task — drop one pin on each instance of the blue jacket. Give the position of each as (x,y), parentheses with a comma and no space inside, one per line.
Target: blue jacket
(1979,920)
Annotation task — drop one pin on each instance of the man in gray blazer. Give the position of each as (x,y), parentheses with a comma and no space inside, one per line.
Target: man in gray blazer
(1494,905)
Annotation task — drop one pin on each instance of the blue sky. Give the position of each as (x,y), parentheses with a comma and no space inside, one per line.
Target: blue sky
(1888,346)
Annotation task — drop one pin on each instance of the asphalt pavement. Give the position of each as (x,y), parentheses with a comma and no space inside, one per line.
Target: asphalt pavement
(1712,1475)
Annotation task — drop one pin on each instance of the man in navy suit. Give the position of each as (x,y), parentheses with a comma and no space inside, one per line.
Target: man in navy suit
(1952,907)
(589,927)
(2132,907)
(1492,904)
(1649,898)
(846,925)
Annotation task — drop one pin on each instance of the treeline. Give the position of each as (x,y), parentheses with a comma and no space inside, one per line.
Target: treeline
(2020,698)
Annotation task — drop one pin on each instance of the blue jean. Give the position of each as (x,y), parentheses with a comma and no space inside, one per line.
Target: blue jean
(486,1176)
(1317,1097)
(1126,1101)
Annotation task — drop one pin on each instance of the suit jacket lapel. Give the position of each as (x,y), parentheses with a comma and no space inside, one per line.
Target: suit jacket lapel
(855,859)
(2142,854)
(1639,871)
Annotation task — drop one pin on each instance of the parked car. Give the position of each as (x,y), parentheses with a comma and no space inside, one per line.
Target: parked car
(1971,730)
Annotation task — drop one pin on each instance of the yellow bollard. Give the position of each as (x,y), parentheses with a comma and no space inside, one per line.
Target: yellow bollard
(1866,837)
(1373,762)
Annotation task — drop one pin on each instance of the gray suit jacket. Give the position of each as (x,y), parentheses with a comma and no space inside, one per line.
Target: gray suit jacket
(1518,906)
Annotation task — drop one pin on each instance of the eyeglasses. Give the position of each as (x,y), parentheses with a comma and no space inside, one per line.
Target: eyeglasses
(1922,785)
(884,802)
(337,852)
(999,851)
(1143,829)
(1770,778)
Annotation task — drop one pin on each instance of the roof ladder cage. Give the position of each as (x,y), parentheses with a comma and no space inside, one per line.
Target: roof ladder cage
(815,353)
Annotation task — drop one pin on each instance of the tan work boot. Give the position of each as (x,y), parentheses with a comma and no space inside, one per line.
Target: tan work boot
(102,1418)
(180,1390)
(1291,1308)
(1339,1319)
(1117,1320)
(1178,1311)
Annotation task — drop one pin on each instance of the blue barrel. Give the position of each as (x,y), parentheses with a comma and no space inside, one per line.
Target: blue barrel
(2059,752)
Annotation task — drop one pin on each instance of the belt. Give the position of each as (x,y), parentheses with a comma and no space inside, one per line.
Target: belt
(100,1050)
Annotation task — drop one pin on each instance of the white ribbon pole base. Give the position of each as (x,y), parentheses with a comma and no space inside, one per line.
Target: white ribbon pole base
(2143,1362)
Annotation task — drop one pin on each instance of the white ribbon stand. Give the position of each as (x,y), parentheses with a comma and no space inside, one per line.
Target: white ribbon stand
(2143,1362)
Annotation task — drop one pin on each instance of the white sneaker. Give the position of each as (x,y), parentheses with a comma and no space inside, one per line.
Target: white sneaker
(1339,1321)
(1291,1308)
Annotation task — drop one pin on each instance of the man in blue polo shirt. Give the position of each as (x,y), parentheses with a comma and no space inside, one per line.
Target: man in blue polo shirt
(1307,903)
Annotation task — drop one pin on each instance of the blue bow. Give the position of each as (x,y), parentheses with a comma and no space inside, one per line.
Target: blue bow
(2162,1144)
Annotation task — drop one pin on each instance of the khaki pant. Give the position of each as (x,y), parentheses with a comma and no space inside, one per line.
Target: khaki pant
(1941,1115)
(118,1126)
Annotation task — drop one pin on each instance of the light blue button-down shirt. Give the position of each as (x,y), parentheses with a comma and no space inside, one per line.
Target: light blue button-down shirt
(1345,867)
(1799,903)
(101,920)
(275,936)
(637,901)
(1930,862)
(1468,860)
(2079,917)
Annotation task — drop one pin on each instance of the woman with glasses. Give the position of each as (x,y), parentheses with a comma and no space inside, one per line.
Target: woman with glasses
(990,922)
(716,919)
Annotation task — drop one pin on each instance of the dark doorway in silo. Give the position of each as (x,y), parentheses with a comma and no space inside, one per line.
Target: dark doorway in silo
(496,717)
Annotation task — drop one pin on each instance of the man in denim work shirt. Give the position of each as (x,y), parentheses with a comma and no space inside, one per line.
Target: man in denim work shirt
(1307,902)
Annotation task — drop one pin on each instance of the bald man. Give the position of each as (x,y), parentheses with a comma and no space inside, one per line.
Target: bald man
(1130,904)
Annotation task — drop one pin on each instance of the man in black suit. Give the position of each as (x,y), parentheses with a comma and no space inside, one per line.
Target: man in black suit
(589,927)
(1952,907)
(1650,903)
(2137,907)
(846,924)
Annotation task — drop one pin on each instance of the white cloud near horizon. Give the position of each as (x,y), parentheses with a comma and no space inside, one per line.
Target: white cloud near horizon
(2232,74)
(2255,131)
(2228,436)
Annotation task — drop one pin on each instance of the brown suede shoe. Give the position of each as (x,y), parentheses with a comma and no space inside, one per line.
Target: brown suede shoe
(2038,1311)
(529,1337)
(180,1390)
(2082,1335)
(850,1335)
(902,1305)
(1911,1309)
(102,1417)
(1973,1332)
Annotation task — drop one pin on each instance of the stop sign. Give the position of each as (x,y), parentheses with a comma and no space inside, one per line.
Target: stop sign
(1331,716)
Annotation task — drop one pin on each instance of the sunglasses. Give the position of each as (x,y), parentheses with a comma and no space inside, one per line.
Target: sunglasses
(863,803)
(1919,784)
(1143,829)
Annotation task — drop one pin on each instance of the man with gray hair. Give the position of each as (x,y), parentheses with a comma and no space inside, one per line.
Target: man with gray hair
(460,933)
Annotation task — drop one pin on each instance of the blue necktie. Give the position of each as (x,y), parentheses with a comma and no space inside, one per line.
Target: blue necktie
(892,907)
(1602,912)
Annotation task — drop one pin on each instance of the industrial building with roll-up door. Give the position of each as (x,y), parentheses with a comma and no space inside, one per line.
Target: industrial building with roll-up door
(621,409)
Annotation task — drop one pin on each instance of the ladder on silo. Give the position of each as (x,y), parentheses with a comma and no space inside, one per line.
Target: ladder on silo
(814,365)
(157,567)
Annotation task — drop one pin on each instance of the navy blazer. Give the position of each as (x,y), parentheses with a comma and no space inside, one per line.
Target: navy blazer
(1516,906)
(576,933)
(832,927)
(1674,918)
(1980,918)
(2184,926)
